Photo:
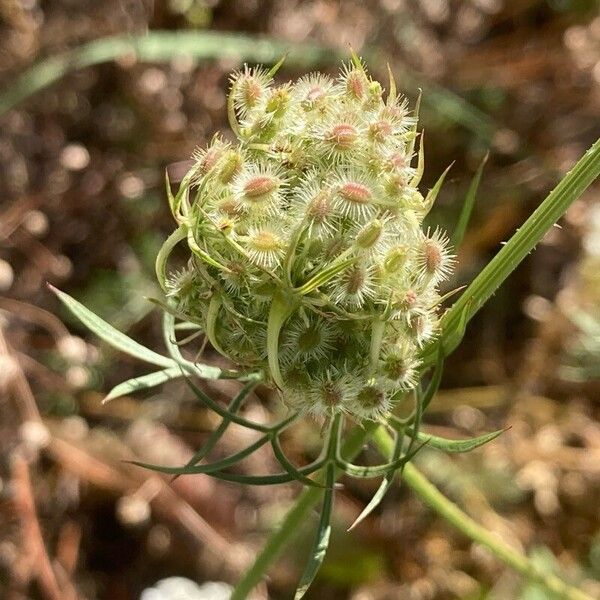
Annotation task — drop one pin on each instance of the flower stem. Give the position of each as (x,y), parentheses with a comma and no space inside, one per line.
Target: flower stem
(295,519)
(431,496)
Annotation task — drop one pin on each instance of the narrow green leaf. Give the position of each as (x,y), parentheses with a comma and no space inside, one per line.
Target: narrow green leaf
(193,368)
(321,543)
(207,258)
(165,251)
(220,410)
(208,468)
(281,536)
(271,479)
(231,112)
(392,93)
(288,466)
(378,470)
(281,309)
(109,334)
(467,206)
(436,379)
(273,70)
(324,276)
(170,197)
(435,190)
(143,383)
(410,148)
(385,485)
(260,480)
(447,445)
(216,435)
(573,184)
(214,307)
(420,162)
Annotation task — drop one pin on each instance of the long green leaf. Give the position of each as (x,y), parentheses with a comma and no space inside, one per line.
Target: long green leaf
(467,206)
(293,520)
(220,410)
(271,479)
(165,251)
(143,383)
(321,543)
(217,434)
(371,472)
(447,445)
(208,468)
(109,334)
(289,467)
(435,190)
(573,184)
(385,485)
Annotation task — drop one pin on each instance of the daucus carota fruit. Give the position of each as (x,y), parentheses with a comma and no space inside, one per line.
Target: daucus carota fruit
(308,257)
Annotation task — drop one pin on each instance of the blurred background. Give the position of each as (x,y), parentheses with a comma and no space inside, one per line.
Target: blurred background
(82,205)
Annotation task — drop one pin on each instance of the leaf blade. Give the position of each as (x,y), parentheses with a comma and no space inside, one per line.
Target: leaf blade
(321,541)
(144,382)
(109,334)
(455,446)
(467,207)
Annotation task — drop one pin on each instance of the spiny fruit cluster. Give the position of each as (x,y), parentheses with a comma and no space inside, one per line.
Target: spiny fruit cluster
(308,260)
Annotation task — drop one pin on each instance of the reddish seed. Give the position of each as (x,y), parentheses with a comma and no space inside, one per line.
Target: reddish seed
(433,256)
(259,186)
(355,84)
(356,192)
(398,160)
(229,206)
(210,159)
(380,130)
(343,135)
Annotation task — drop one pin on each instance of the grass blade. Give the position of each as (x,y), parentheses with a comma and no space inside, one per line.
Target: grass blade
(160,46)
(467,207)
(109,334)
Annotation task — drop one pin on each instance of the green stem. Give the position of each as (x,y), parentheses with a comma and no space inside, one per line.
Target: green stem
(431,496)
(295,519)
(571,186)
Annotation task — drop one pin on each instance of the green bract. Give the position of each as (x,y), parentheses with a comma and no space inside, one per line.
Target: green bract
(308,261)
